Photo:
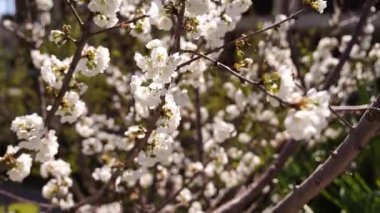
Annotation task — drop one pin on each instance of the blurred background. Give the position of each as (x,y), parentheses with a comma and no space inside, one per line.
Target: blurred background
(356,191)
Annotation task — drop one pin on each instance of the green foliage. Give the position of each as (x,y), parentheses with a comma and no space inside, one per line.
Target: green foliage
(20,208)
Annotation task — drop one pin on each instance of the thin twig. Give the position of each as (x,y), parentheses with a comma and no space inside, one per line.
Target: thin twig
(21,199)
(341,119)
(273,26)
(198,106)
(75,12)
(336,164)
(244,79)
(357,108)
(350,108)
(120,25)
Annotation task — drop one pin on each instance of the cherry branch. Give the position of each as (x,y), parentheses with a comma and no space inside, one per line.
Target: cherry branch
(75,12)
(120,25)
(69,75)
(236,74)
(336,164)
(140,143)
(341,119)
(152,124)
(354,108)
(246,36)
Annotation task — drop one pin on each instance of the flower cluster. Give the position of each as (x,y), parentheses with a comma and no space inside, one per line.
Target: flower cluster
(172,127)
(92,62)
(105,12)
(44,6)
(34,137)
(57,189)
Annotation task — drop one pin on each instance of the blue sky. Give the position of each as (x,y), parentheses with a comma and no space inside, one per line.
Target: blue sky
(7,6)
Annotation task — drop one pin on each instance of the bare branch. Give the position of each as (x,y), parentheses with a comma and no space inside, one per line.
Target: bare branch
(350,108)
(120,25)
(75,12)
(236,74)
(341,119)
(21,199)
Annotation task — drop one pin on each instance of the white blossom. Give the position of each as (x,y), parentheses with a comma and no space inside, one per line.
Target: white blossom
(21,168)
(102,174)
(38,58)
(53,71)
(57,189)
(222,130)
(171,116)
(159,66)
(159,17)
(47,148)
(28,126)
(91,146)
(55,168)
(71,107)
(58,37)
(197,7)
(93,61)
(319,5)
(105,21)
(148,96)
(44,4)
(309,121)
(106,12)
(106,7)
(196,207)
(184,196)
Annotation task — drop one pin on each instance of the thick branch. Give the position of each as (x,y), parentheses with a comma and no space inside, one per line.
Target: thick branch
(245,199)
(334,75)
(179,29)
(336,164)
